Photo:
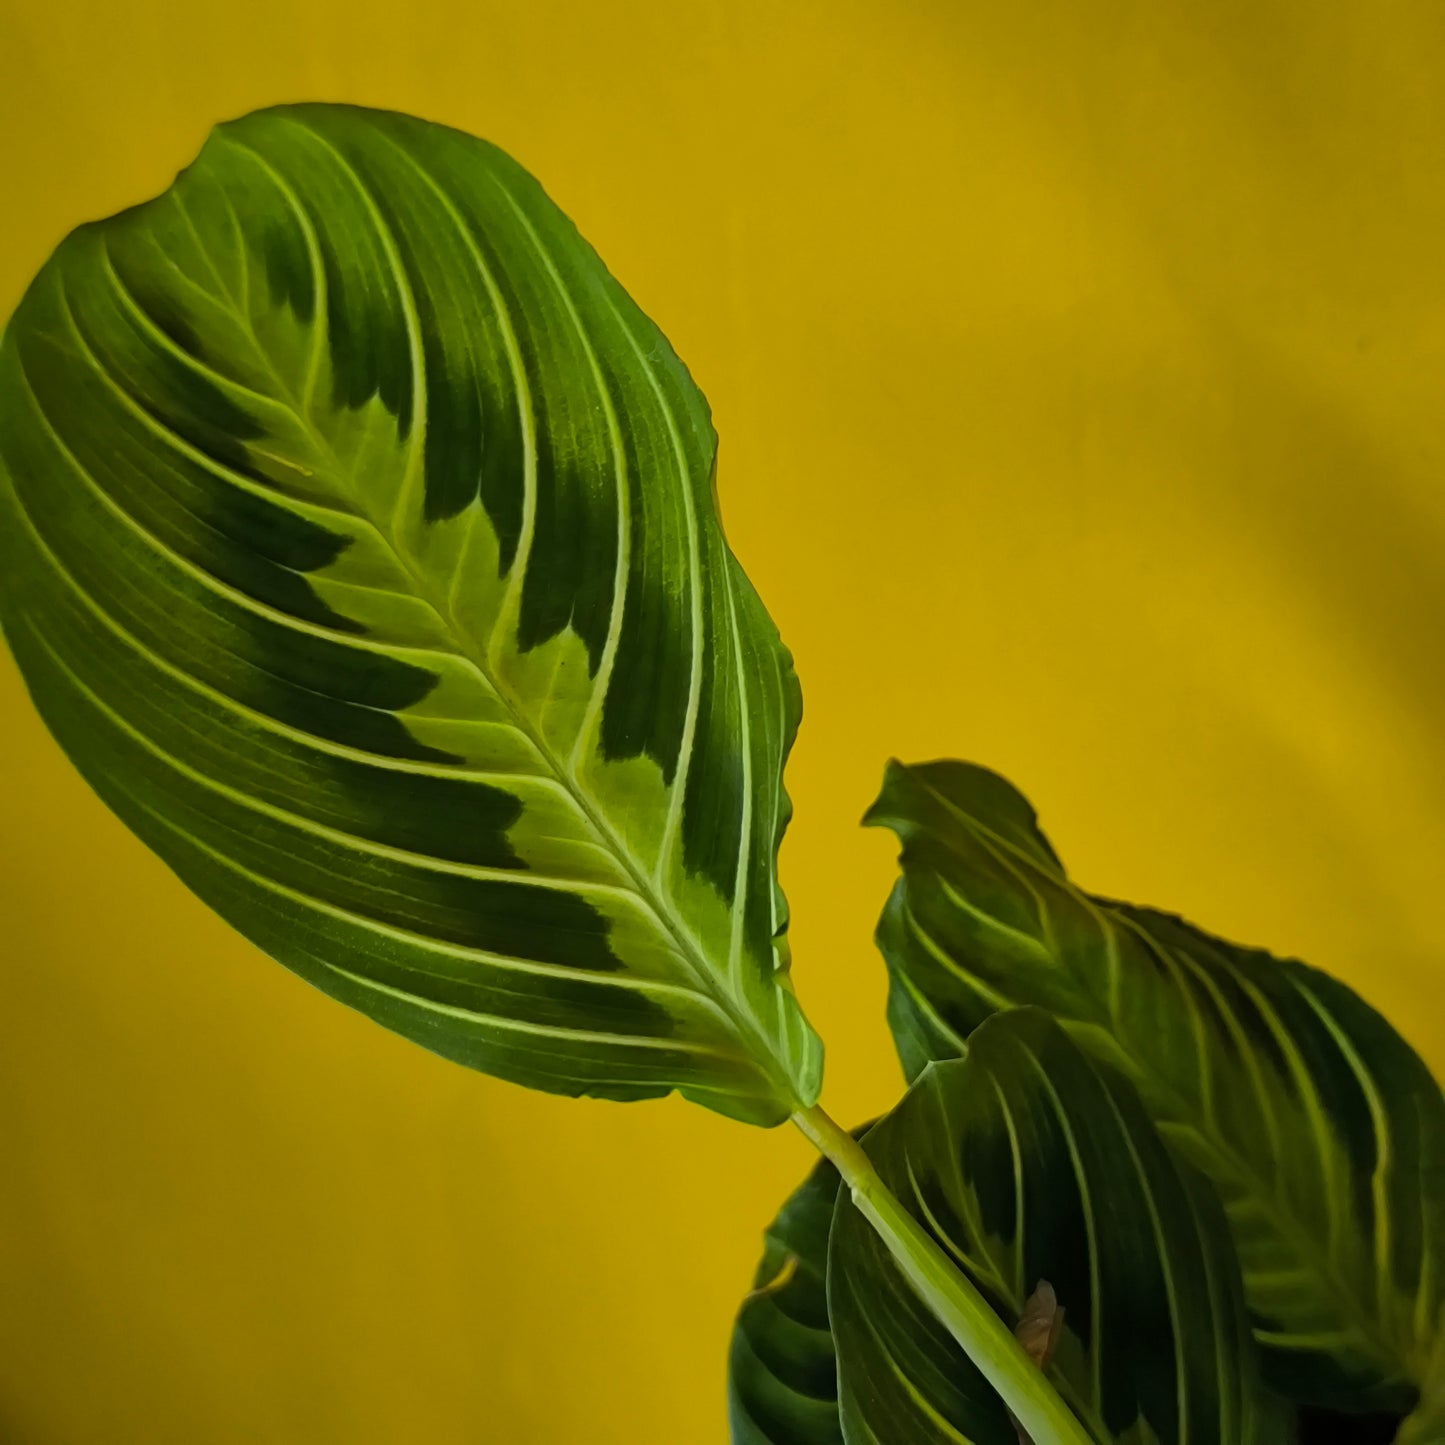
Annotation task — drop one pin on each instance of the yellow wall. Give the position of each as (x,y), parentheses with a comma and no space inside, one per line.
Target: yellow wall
(1079,371)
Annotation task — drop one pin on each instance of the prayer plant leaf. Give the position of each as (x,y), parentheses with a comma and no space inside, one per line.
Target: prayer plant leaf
(782,1371)
(1321,1128)
(1029,1166)
(359,547)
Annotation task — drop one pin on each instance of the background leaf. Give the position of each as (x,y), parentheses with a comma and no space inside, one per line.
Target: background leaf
(1027,1164)
(359,547)
(782,1368)
(1323,1131)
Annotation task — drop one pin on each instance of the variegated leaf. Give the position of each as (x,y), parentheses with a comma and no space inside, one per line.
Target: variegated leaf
(1027,1163)
(359,546)
(1321,1128)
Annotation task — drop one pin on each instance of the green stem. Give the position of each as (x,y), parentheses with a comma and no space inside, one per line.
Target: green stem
(947,1291)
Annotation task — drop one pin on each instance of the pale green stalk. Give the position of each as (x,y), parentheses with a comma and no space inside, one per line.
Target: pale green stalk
(947,1291)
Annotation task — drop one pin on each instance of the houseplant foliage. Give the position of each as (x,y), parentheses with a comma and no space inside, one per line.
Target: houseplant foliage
(1318,1125)
(359,547)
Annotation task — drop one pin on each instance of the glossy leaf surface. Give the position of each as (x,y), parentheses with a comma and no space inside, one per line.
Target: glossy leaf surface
(1321,1128)
(359,546)
(1029,1165)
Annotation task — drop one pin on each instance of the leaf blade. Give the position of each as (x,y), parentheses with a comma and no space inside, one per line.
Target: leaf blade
(360,548)
(782,1367)
(1006,1156)
(1262,1072)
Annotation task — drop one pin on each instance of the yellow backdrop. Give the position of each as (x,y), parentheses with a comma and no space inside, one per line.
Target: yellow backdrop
(1079,373)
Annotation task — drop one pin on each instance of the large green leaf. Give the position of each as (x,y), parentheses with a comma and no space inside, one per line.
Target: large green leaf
(1322,1129)
(782,1370)
(359,547)
(1029,1165)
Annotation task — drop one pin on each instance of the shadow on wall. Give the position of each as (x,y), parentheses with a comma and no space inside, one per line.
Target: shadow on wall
(1344,511)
